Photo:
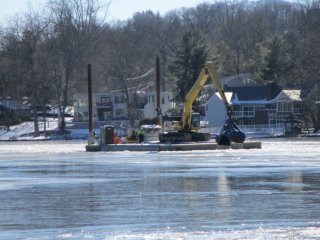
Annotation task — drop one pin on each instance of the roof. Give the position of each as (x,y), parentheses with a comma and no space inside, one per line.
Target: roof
(259,95)
(294,95)
(251,93)
(256,93)
(227,94)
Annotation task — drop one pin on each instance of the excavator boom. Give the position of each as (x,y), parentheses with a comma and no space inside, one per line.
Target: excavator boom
(214,76)
(191,97)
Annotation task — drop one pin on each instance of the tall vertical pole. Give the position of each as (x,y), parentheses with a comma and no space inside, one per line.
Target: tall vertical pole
(91,139)
(158,118)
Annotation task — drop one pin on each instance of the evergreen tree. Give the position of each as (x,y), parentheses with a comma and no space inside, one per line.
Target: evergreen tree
(192,52)
(276,62)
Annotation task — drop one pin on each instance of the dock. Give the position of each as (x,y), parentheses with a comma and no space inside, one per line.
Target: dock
(159,147)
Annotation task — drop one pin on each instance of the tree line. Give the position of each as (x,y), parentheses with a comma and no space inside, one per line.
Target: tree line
(44,54)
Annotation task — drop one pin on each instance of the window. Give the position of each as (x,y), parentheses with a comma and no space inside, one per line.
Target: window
(119,112)
(151,98)
(248,121)
(105,101)
(284,106)
(162,100)
(276,120)
(118,99)
(248,111)
(297,110)
(104,115)
(107,115)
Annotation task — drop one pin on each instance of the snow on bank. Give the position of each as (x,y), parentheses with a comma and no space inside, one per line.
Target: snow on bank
(25,131)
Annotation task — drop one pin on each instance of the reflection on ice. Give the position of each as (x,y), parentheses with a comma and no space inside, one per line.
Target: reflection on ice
(259,232)
(33,147)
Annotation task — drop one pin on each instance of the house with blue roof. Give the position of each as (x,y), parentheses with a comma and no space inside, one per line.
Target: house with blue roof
(268,105)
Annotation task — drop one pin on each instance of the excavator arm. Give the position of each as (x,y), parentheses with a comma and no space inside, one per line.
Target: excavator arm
(191,96)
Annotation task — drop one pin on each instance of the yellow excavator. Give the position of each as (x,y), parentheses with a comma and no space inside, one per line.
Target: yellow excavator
(187,129)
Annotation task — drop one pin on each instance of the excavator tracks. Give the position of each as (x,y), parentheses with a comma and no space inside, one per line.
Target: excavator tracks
(183,136)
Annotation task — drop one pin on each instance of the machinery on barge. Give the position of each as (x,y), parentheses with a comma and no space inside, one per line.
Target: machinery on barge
(187,129)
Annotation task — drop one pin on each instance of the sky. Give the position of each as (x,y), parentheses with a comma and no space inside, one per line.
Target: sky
(123,9)
(118,9)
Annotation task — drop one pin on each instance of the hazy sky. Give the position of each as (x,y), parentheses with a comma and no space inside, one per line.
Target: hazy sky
(122,9)
(118,9)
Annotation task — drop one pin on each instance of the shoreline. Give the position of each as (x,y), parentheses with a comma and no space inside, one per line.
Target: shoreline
(83,138)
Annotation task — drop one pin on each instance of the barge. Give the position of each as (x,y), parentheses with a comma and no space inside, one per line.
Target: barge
(158,147)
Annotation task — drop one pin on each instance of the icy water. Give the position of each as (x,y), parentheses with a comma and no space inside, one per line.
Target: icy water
(56,190)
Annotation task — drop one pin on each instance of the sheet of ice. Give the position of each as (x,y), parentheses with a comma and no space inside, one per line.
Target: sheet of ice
(56,190)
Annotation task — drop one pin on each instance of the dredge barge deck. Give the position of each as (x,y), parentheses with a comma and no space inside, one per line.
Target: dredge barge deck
(157,147)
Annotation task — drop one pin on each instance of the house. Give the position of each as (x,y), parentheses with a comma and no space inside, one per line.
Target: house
(111,106)
(106,106)
(267,105)
(215,110)
(12,110)
(166,103)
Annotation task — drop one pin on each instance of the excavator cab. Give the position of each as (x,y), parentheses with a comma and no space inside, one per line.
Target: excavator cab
(195,121)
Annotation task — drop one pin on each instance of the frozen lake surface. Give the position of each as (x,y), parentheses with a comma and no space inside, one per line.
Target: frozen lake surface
(56,190)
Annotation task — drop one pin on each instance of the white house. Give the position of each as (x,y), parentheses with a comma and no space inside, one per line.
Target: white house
(112,107)
(106,106)
(215,110)
(166,103)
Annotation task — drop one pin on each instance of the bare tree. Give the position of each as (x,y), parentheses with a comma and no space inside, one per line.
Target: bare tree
(74,25)
(123,63)
(128,57)
(23,39)
(10,84)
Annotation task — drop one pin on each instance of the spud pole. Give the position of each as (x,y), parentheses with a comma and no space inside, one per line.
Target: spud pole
(91,138)
(158,108)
